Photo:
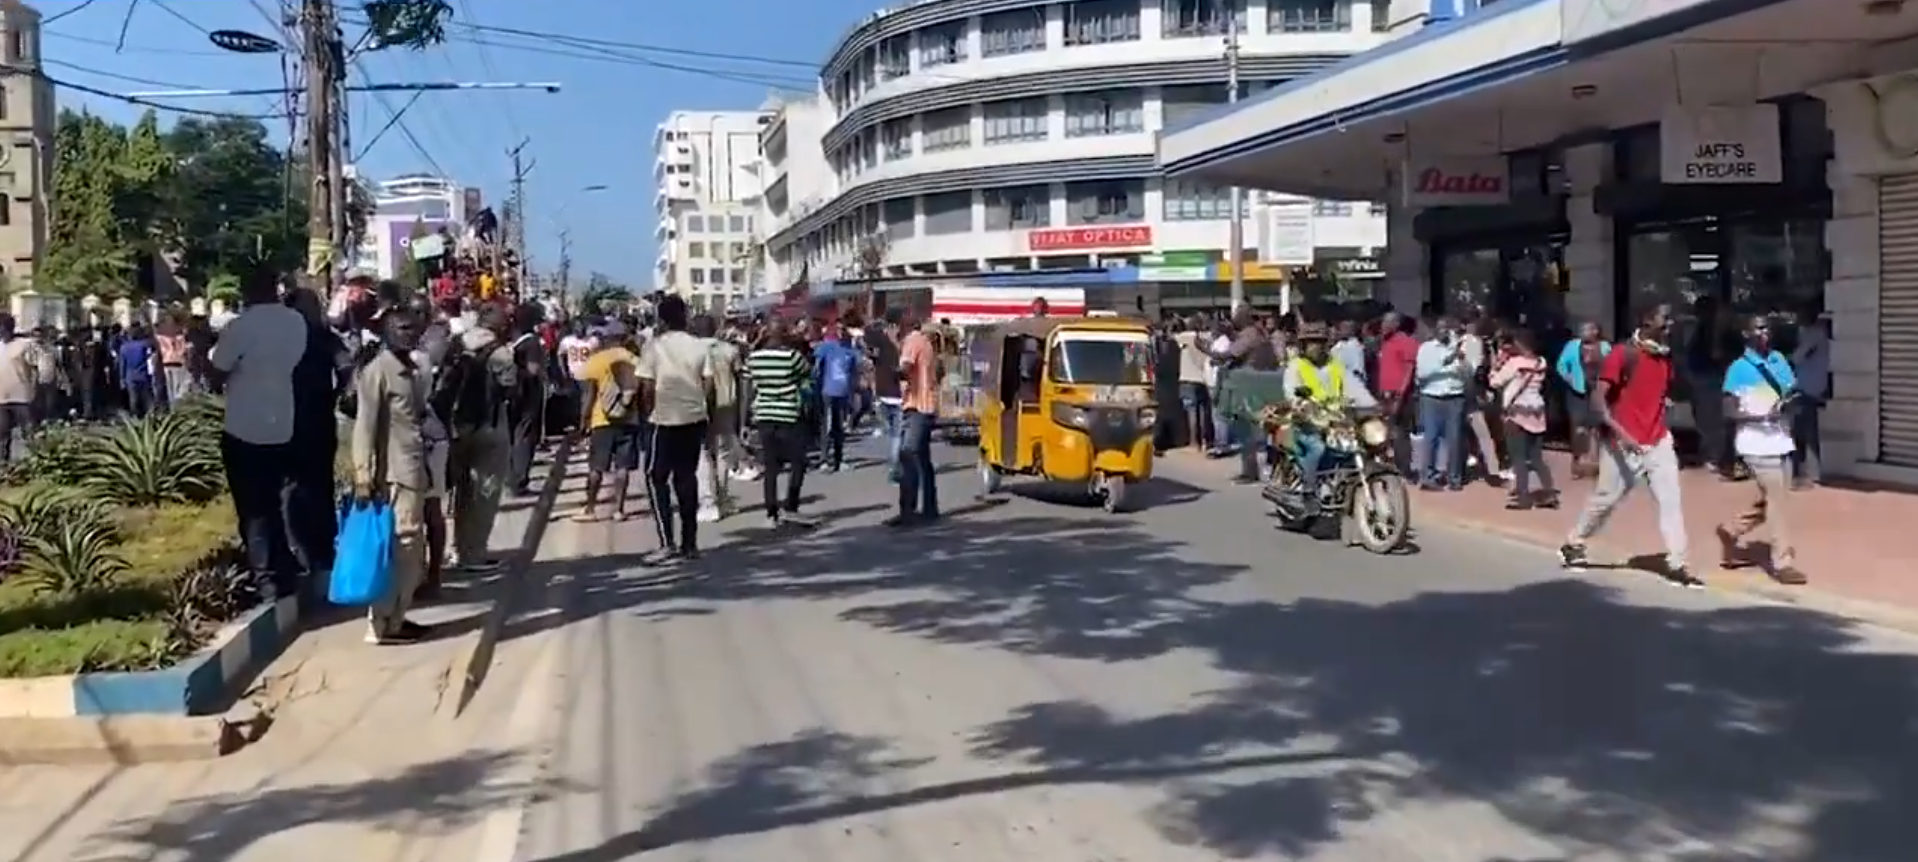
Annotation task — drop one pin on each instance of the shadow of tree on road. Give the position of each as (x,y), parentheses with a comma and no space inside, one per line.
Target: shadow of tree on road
(1556,713)
(421,802)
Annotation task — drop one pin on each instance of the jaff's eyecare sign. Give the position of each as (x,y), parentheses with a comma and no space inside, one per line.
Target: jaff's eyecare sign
(1720,146)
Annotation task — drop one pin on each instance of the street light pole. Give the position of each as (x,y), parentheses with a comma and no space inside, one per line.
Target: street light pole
(1235,237)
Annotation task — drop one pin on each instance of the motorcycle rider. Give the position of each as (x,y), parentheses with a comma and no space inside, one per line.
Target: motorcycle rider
(1314,376)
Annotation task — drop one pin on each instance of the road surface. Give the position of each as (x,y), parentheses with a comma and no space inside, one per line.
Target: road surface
(1034,681)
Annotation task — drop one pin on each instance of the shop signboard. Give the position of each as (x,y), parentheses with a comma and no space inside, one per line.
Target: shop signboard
(1176,266)
(1259,271)
(1090,238)
(1458,182)
(1720,145)
(1580,20)
(1285,231)
(400,233)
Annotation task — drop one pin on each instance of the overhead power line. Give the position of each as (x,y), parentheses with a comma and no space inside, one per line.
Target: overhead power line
(179,16)
(77,9)
(121,97)
(639,46)
(603,55)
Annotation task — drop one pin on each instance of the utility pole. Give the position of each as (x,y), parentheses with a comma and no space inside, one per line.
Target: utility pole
(565,264)
(322,55)
(516,239)
(1235,237)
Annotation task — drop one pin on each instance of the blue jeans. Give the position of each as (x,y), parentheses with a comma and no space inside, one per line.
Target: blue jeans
(889,414)
(1442,422)
(918,483)
(1308,449)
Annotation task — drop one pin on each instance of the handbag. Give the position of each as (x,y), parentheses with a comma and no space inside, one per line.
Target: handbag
(363,557)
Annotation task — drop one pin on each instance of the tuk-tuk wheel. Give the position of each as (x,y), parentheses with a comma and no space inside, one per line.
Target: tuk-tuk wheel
(1111,492)
(989,477)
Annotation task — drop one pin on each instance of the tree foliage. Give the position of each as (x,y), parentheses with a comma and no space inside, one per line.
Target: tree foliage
(604,295)
(411,274)
(209,197)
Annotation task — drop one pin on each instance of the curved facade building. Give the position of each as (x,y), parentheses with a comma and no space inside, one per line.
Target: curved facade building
(968,135)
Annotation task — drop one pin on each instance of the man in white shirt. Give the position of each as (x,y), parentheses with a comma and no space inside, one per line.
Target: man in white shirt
(19,382)
(253,364)
(676,386)
(723,455)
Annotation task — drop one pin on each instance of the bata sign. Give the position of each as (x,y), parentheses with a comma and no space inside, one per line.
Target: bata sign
(1720,146)
(1457,183)
(1090,238)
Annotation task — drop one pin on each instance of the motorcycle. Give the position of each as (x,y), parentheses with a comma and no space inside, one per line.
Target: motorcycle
(1358,485)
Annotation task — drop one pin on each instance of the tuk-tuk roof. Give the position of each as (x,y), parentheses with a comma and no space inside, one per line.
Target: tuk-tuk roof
(1040,328)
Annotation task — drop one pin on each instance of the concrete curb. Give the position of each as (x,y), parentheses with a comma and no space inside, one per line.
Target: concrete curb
(127,740)
(197,684)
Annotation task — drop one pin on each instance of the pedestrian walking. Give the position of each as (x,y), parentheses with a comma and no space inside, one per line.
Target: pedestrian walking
(1630,400)
(1519,384)
(1759,395)
(919,391)
(476,389)
(609,418)
(778,371)
(676,384)
(389,464)
(254,363)
(722,455)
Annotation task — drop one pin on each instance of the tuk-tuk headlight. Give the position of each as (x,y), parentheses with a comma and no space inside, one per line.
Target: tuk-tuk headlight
(1148,416)
(1373,433)
(1070,415)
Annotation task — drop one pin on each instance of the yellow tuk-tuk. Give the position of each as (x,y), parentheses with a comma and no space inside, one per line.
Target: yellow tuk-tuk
(1068,399)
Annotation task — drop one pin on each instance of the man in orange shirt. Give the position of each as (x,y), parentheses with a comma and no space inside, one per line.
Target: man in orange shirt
(919,397)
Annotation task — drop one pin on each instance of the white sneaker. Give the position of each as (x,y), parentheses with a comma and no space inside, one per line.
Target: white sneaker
(709,514)
(749,474)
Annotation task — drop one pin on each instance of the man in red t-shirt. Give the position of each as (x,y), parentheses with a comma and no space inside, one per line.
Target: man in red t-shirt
(1630,398)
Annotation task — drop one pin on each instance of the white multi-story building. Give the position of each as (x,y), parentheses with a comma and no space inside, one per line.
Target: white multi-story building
(970,135)
(400,206)
(707,166)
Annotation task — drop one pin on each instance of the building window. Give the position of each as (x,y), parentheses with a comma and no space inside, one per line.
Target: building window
(1201,17)
(950,129)
(943,45)
(1018,208)
(1017,32)
(1118,202)
(1118,112)
(1015,121)
(1189,201)
(698,275)
(695,224)
(1331,209)
(895,139)
(1184,104)
(1381,15)
(1309,16)
(1100,22)
(736,275)
(715,276)
(696,249)
(736,224)
(897,216)
(949,213)
(895,58)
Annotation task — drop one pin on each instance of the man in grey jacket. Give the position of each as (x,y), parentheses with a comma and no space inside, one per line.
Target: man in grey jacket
(482,433)
(389,463)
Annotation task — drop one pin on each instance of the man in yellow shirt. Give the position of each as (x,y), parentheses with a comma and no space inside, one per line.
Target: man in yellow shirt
(610,413)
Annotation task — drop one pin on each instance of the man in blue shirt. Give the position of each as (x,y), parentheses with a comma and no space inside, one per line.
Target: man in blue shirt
(836,373)
(134,362)
(1760,389)
(1440,375)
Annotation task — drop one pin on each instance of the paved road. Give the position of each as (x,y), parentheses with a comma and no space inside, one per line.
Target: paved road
(1038,682)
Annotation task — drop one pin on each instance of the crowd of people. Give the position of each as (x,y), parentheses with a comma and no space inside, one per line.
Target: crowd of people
(1477,400)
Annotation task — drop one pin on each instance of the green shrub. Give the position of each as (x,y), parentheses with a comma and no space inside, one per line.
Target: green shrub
(57,454)
(74,558)
(40,510)
(165,458)
(215,590)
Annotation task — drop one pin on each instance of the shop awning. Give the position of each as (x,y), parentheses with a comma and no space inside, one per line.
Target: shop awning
(1513,75)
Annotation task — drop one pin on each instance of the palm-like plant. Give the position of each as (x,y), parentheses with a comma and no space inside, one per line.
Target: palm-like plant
(169,458)
(57,454)
(43,510)
(75,558)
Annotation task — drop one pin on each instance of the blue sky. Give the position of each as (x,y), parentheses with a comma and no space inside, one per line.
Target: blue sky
(596,131)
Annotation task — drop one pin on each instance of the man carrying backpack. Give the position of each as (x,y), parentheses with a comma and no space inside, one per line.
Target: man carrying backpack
(474,391)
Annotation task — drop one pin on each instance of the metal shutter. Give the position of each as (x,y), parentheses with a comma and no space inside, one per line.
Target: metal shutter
(1898,320)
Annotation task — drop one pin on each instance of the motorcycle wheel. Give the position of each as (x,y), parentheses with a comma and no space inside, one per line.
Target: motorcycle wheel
(1386,531)
(1112,494)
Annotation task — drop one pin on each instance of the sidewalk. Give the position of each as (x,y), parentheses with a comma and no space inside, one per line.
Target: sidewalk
(1850,539)
(365,759)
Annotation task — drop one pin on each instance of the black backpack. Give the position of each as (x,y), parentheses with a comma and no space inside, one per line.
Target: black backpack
(465,392)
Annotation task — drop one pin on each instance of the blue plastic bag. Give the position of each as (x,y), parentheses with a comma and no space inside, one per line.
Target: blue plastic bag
(363,556)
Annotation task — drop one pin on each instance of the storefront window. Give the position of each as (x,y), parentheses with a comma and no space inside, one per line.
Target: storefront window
(1776,269)
(1470,277)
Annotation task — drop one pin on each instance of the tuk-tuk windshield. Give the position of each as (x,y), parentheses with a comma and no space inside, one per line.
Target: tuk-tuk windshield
(1102,358)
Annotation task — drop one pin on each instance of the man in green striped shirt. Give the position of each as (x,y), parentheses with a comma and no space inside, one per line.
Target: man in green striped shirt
(780,373)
